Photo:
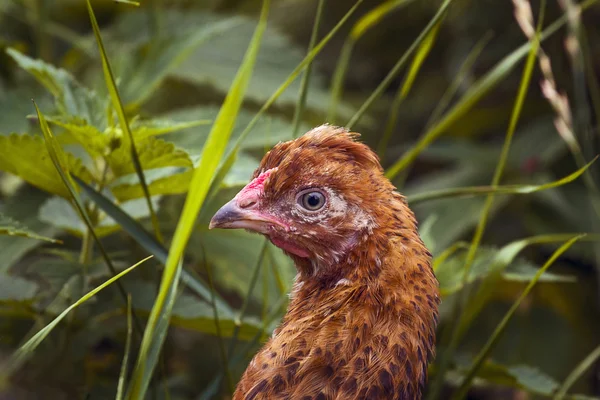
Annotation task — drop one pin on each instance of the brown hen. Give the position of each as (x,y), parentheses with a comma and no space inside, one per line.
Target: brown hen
(364,306)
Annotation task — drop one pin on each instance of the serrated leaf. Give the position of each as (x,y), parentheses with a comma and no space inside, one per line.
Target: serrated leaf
(162,185)
(27,157)
(14,288)
(23,207)
(71,98)
(10,227)
(152,152)
(88,136)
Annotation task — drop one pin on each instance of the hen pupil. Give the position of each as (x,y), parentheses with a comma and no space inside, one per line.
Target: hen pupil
(313,200)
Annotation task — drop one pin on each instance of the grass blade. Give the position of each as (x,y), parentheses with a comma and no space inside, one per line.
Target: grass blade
(487,348)
(366,22)
(118,106)
(306,76)
(461,301)
(125,363)
(201,181)
(394,71)
(493,190)
(478,90)
(229,159)
(148,242)
(583,366)
(422,52)
(459,78)
(23,353)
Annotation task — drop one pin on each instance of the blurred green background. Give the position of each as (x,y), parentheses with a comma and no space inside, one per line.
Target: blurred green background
(174,61)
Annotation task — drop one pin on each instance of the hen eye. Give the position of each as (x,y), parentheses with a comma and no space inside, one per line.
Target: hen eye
(312,201)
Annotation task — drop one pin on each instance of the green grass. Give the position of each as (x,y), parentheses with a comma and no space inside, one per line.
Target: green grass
(241,315)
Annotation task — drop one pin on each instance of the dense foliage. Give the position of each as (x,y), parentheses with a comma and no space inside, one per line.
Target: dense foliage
(484,113)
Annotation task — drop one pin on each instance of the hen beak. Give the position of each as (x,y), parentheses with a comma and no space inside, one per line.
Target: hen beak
(232,216)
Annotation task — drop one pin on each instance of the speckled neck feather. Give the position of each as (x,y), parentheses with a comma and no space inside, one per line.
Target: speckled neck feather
(363,311)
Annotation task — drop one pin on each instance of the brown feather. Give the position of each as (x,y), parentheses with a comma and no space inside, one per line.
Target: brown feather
(364,306)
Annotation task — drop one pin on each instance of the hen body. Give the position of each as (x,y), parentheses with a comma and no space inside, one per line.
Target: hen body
(363,309)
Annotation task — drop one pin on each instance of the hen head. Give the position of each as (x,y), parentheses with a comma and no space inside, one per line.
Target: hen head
(318,198)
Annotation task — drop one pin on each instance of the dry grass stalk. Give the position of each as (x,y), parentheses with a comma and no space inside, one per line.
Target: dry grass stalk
(558,100)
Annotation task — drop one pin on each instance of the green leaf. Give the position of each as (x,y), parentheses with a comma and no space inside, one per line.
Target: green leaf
(484,353)
(71,98)
(267,131)
(157,57)
(374,16)
(152,153)
(211,156)
(23,207)
(88,136)
(518,376)
(161,181)
(59,212)
(533,380)
(276,60)
(525,272)
(489,260)
(25,351)
(55,272)
(15,105)
(27,157)
(8,226)
(14,288)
